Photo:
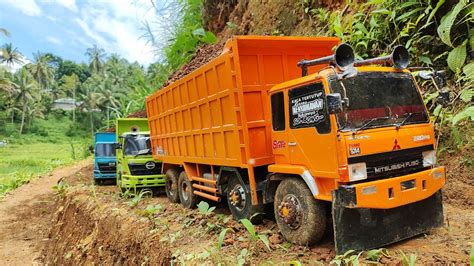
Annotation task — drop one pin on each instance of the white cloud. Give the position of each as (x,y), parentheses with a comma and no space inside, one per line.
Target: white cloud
(54,40)
(53,19)
(28,7)
(14,67)
(116,27)
(69,4)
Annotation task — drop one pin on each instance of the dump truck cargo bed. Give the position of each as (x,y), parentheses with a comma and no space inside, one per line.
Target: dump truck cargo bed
(219,113)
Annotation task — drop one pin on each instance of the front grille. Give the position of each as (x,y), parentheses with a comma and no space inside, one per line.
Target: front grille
(141,169)
(393,163)
(105,168)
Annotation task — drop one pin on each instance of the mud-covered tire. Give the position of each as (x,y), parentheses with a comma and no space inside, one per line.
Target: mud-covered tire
(242,208)
(185,191)
(305,220)
(171,185)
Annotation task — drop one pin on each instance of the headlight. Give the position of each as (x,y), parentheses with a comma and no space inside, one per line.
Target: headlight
(429,158)
(357,171)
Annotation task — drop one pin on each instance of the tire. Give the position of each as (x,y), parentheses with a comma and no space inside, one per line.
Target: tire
(185,191)
(171,186)
(97,182)
(239,200)
(301,218)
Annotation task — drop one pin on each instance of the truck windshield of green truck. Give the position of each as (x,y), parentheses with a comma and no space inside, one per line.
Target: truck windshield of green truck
(137,144)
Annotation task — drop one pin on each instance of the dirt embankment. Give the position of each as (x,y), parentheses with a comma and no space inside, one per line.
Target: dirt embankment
(96,224)
(86,232)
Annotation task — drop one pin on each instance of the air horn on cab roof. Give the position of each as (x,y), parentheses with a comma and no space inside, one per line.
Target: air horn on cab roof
(344,59)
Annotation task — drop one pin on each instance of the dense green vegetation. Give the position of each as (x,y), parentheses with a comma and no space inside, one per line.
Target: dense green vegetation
(33,154)
(35,137)
(438,34)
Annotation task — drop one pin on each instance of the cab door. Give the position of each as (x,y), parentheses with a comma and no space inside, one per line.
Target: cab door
(278,102)
(310,140)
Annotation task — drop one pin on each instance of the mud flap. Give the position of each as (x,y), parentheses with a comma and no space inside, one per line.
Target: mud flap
(362,228)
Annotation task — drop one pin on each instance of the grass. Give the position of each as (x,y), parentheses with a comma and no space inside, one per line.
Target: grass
(37,153)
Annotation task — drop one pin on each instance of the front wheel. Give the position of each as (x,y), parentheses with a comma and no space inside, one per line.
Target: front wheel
(240,202)
(171,188)
(185,191)
(300,218)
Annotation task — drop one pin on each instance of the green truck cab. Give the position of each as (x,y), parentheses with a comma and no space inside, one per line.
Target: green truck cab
(135,165)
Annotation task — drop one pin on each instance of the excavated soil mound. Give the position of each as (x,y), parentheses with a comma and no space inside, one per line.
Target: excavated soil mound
(86,232)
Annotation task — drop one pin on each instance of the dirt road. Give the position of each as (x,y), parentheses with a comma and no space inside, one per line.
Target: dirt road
(25,217)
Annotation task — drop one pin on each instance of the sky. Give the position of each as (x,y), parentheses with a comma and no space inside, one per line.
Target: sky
(68,27)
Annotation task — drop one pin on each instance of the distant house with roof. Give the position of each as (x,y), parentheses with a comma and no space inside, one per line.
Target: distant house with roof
(66,104)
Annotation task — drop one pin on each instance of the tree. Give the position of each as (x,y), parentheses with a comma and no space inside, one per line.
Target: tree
(4,32)
(67,68)
(25,89)
(71,84)
(10,55)
(41,70)
(91,100)
(96,59)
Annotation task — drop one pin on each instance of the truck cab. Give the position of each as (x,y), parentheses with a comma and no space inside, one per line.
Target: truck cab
(104,156)
(372,156)
(135,165)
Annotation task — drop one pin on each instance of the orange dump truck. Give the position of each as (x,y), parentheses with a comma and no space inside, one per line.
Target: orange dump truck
(320,140)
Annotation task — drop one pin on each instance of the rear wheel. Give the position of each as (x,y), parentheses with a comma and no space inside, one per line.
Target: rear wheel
(185,191)
(300,218)
(240,202)
(171,187)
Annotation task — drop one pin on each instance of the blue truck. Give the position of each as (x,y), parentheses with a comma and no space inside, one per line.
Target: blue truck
(105,166)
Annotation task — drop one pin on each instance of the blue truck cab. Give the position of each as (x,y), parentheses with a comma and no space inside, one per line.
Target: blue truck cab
(105,165)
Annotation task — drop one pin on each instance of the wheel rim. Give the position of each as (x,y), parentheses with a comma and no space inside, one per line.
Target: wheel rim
(237,197)
(184,188)
(290,211)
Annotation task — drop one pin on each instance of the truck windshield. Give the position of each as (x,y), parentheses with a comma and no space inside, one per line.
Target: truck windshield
(135,144)
(378,99)
(104,150)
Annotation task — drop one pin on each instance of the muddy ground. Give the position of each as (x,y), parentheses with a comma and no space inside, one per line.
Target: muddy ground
(79,223)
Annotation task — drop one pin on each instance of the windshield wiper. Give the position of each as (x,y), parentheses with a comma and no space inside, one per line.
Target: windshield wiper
(143,152)
(369,122)
(407,117)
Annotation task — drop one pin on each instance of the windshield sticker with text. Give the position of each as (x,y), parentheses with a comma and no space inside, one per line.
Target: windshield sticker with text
(307,109)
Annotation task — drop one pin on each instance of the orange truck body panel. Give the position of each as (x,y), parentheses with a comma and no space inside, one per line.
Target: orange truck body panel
(219,114)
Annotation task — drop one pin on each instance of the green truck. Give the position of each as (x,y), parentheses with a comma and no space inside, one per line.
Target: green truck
(135,166)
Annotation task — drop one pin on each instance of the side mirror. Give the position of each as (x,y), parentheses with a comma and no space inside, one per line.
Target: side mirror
(334,102)
(117,145)
(443,98)
(91,149)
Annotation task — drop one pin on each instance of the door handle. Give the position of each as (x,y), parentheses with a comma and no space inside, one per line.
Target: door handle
(292,144)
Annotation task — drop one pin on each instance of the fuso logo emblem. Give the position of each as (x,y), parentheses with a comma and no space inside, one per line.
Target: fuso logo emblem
(278,144)
(396,146)
(354,149)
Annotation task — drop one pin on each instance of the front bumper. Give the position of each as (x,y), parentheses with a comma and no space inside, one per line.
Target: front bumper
(130,181)
(392,192)
(99,175)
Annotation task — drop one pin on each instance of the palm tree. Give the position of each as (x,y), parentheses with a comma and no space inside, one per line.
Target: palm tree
(71,84)
(96,59)
(4,32)
(110,97)
(41,70)
(91,100)
(5,83)
(10,55)
(25,87)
